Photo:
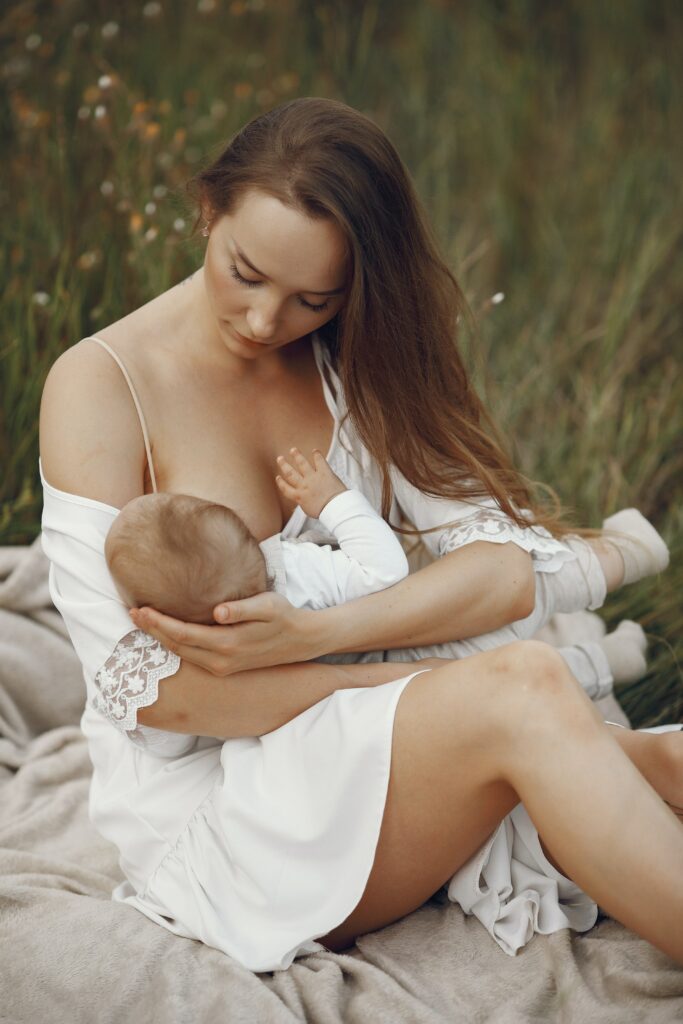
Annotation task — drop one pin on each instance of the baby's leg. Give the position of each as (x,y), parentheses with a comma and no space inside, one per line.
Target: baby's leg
(634,550)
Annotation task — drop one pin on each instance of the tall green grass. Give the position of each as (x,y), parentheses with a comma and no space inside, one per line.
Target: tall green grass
(545,140)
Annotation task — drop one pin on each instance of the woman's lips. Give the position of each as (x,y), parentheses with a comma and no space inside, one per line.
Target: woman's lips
(248,341)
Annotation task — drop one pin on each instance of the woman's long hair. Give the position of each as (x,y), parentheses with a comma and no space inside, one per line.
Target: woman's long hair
(395,340)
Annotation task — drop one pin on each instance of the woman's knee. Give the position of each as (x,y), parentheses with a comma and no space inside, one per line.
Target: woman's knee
(527,677)
(536,667)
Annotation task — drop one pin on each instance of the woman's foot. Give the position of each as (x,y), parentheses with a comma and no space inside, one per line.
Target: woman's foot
(625,652)
(642,549)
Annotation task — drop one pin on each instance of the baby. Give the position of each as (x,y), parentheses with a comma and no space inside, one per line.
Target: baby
(184,555)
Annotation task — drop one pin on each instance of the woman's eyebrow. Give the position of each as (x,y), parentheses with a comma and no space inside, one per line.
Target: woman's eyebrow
(307,291)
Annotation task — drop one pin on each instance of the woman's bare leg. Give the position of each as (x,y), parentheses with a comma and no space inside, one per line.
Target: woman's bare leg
(470,740)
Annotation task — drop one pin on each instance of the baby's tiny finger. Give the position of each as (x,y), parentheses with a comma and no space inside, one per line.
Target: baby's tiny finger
(301,461)
(289,492)
(287,471)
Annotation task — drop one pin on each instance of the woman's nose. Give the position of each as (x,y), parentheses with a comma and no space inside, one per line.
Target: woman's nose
(262,319)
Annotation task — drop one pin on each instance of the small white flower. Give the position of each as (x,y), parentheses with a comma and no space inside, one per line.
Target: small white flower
(151,10)
(135,684)
(105,81)
(83,113)
(80,29)
(33,41)
(100,111)
(107,188)
(498,297)
(109,30)
(179,224)
(150,208)
(41,298)
(151,234)
(125,658)
(107,682)
(159,191)
(157,656)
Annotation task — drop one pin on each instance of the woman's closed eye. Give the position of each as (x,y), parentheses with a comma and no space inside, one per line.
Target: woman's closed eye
(253,284)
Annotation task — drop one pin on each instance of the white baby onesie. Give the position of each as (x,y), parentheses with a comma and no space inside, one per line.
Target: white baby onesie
(369,558)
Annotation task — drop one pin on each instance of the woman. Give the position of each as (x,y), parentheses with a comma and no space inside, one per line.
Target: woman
(344,795)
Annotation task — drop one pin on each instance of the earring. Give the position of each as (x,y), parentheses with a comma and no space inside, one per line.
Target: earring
(205,230)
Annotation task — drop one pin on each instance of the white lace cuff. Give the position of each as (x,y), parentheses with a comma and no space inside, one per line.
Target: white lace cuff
(548,553)
(129,679)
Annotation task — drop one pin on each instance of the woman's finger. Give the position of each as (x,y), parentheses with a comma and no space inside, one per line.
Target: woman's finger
(259,608)
(175,630)
(208,660)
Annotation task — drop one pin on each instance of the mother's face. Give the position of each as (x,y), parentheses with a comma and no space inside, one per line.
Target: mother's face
(272,275)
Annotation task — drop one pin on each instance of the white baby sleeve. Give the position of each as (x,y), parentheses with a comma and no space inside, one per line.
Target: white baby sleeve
(369,558)
(122,665)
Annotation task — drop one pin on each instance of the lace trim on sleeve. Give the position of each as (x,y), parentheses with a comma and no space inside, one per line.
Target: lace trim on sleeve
(548,553)
(129,678)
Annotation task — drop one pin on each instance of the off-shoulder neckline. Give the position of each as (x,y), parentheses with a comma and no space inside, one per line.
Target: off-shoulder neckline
(79,499)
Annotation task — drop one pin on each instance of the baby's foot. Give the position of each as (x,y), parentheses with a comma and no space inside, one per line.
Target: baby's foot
(625,651)
(642,549)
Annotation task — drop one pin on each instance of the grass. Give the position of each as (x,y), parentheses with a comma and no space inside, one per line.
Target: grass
(545,141)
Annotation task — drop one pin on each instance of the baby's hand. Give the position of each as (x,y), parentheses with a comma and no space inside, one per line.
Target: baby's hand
(310,486)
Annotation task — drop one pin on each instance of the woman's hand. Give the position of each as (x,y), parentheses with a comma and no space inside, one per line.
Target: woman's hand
(261,631)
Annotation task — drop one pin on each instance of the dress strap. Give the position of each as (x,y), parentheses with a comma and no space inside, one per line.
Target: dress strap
(141,417)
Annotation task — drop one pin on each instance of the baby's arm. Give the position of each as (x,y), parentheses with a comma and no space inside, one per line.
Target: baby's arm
(370,557)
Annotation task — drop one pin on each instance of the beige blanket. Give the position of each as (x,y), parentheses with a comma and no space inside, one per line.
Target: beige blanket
(68,953)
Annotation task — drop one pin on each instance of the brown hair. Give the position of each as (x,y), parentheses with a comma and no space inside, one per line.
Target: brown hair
(395,340)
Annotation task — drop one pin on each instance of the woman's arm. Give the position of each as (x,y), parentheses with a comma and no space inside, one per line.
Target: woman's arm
(459,596)
(256,702)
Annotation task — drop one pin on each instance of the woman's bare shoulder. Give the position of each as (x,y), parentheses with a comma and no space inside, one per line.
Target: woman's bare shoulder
(91,443)
(90,440)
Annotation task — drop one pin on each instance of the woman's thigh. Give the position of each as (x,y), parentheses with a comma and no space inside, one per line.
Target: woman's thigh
(446,794)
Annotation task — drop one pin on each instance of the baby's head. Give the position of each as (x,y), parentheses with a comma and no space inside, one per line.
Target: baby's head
(183,555)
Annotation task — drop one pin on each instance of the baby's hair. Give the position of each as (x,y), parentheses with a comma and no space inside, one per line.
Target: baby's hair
(183,555)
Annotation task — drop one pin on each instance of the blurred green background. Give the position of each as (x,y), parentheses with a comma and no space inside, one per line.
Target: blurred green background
(545,140)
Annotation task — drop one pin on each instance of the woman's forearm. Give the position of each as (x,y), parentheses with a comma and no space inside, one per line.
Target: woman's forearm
(470,591)
(255,702)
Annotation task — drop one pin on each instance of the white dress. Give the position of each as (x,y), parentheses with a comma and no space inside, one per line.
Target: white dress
(259,846)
